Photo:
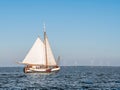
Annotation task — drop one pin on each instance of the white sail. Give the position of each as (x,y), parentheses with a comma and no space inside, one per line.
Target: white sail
(37,54)
(50,58)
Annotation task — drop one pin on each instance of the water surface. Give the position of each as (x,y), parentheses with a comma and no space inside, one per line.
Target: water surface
(68,78)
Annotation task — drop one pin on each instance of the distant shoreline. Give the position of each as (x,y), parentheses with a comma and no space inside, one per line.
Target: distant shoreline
(61,66)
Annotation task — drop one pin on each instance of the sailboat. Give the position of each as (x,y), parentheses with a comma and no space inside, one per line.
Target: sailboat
(40,58)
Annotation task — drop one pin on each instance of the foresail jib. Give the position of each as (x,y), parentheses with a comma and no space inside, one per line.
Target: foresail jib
(36,54)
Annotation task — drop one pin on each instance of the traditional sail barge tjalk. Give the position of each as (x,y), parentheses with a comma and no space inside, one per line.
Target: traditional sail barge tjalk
(40,57)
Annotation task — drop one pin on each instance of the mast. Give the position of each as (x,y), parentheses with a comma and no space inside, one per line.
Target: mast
(45,46)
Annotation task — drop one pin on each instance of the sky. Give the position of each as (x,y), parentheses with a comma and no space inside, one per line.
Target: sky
(82,32)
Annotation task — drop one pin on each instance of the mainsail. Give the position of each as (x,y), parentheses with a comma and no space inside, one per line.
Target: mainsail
(36,54)
(50,58)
